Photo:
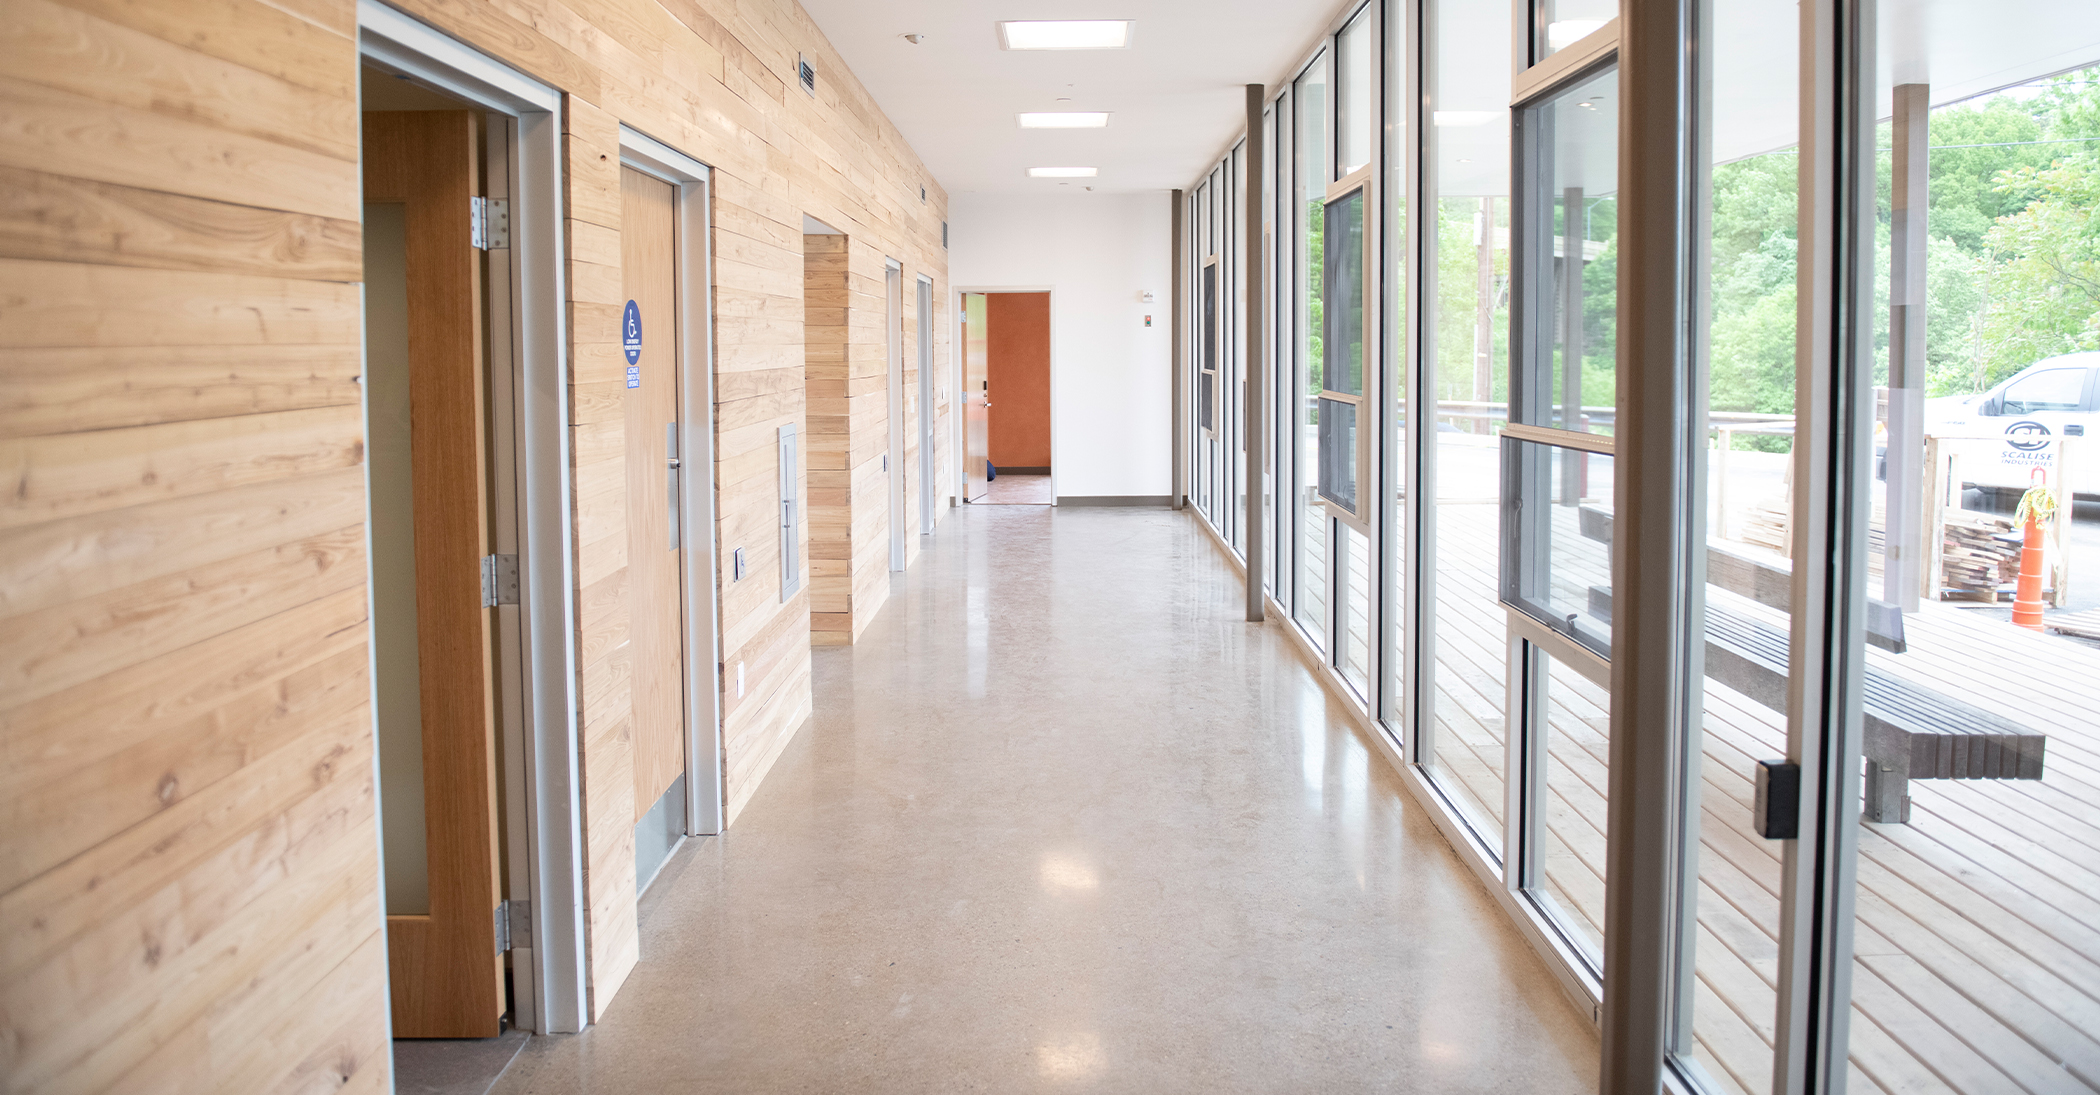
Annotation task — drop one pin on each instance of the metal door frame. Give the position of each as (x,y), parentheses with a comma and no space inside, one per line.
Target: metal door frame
(542,781)
(893,447)
(927,477)
(691,182)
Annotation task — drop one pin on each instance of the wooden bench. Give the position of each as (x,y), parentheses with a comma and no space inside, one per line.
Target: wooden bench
(1911,732)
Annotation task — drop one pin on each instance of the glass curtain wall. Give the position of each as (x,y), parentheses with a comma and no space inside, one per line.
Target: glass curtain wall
(1395,359)
(1225,475)
(1273,320)
(1233,452)
(1556,512)
(1745,355)
(1349,310)
(1203,341)
(1977,906)
(1460,739)
(1309,189)
(1969,902)
(1558,24)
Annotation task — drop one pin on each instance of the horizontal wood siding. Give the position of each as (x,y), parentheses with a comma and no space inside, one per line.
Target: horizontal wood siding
(713,79)
(189,882)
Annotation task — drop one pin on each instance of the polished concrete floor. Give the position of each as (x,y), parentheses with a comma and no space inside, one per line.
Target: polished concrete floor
(1063,821)
(1017,490)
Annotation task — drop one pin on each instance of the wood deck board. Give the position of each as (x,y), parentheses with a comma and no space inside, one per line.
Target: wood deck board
(1978,928)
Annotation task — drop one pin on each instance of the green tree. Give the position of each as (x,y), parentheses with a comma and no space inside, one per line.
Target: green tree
(2046,290)
(1751,291)
(1970,146)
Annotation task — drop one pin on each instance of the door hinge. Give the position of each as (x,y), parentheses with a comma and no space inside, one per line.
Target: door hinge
(491,217)
(513,925)
(499,580)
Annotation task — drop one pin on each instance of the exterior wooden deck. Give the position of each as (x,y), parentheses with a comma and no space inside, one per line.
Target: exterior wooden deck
(1978,932)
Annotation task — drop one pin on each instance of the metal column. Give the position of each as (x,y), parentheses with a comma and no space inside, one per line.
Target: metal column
(1573,232)
(1257,360)
(1658,561)
(1832,473)
(1180,341)
(1902,544)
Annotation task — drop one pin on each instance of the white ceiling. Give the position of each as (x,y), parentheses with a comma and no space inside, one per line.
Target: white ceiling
(1176,93)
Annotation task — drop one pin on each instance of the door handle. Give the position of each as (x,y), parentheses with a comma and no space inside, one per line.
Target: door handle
(671,459)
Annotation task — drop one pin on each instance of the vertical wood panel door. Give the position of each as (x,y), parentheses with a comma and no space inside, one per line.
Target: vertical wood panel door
(445,972)
(1017,355)
(976,401)
(649,273)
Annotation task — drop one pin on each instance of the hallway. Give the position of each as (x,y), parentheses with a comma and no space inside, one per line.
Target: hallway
(1064,821)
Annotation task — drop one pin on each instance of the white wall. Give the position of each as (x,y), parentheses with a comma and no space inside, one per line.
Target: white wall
(1111,386)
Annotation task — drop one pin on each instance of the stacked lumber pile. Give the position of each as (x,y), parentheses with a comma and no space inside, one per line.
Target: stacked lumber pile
(1767,524)
(1972,558)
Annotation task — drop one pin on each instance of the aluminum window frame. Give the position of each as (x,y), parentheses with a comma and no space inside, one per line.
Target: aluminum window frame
(1364,181)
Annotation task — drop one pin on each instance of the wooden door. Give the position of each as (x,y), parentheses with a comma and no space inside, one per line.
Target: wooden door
(976,399)
(445,971)
(649,273)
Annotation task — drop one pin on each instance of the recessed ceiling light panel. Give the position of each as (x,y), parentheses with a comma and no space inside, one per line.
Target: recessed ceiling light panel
(1063,119)
(1065,34)
(1063,172)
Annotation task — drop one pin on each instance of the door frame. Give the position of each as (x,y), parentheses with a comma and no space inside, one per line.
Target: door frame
(691,182)
(893,446)
(543,840)
(956,294)
(922,304)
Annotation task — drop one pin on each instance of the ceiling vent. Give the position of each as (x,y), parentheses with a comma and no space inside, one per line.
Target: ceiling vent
(807,74)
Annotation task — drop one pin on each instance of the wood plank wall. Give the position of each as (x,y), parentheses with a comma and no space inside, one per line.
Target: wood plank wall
(714,79)
(189,874)
(824,302)
(845,287)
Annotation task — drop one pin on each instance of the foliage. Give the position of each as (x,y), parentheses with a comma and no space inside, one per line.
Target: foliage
(2012,261)
(2048,283)
(2012,252)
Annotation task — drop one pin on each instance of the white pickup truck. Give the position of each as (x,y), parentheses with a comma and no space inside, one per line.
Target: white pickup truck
(2053,398)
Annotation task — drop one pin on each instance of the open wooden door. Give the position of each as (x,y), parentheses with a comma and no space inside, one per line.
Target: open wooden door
(430,529)
(977,402)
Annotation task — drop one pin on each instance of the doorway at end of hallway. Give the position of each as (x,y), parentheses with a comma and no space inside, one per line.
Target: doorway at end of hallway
(1016,389)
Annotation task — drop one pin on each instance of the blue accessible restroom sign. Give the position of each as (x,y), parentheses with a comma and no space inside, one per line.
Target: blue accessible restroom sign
(631,337)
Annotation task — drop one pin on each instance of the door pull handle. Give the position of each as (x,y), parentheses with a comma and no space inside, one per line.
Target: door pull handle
(671,478)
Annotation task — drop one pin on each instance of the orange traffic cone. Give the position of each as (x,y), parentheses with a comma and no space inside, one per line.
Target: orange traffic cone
(2036,506)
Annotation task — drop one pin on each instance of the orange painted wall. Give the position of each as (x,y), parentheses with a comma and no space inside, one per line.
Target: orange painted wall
(1017,364)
